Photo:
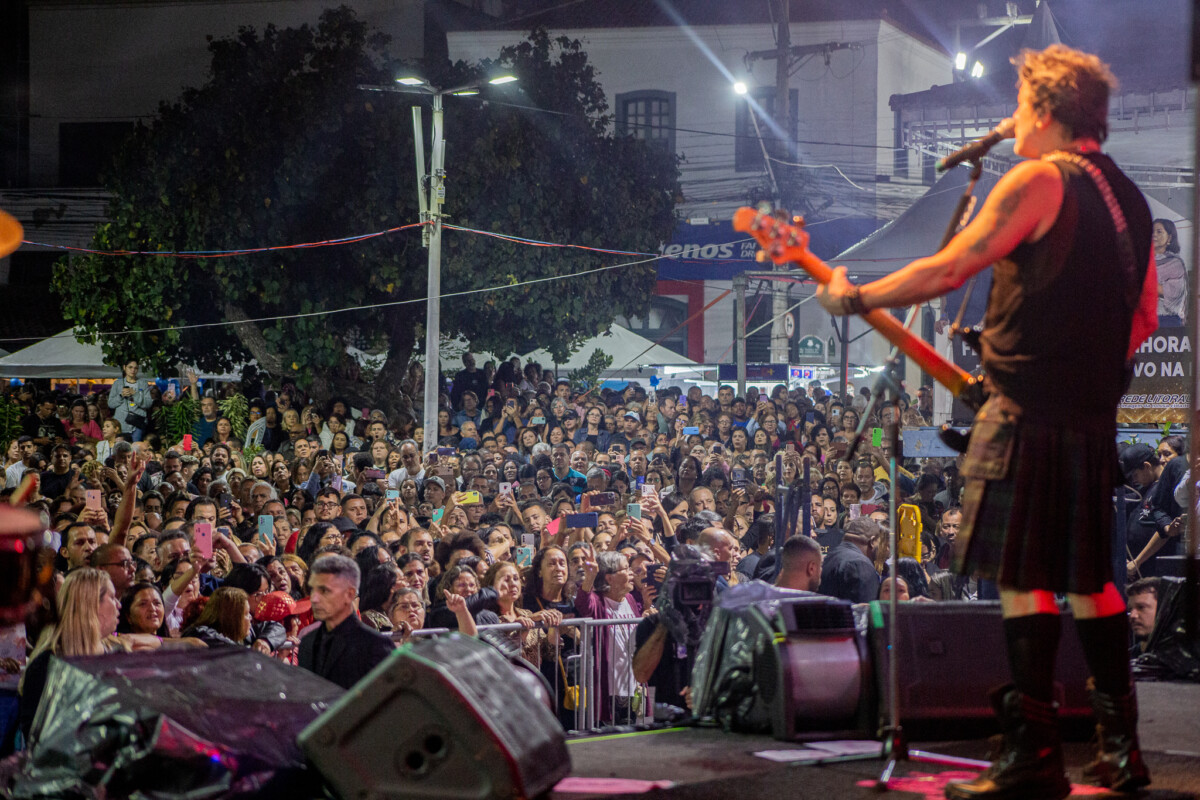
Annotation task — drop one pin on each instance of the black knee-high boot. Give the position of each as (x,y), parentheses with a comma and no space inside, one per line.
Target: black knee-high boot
(1118,765)
(1029,765)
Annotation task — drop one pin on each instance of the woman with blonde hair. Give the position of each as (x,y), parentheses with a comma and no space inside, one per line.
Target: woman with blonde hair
(88,612)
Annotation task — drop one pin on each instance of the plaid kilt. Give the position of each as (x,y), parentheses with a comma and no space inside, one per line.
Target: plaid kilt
(1042,518)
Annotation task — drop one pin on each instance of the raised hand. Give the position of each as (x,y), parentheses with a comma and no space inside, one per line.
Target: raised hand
(455,602)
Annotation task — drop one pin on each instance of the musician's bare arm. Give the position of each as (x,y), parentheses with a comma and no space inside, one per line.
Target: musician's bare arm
(1021,208)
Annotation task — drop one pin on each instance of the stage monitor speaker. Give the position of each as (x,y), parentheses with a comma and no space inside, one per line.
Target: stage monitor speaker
(951,654)
(444,717)
(173,724)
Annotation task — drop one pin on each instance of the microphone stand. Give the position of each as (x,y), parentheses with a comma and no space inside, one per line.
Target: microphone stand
(894,747)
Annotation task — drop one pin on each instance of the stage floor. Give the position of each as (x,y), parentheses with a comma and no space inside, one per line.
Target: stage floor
(705,763)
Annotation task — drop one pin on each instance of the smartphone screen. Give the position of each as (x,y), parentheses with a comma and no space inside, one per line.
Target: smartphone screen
(95,500)
(505,488)
(604,499)
(855,510)
(585,520)
(266,527)
(336,483)
(528,540)
(738,477)
(202,539)
(445,451)
(648,490)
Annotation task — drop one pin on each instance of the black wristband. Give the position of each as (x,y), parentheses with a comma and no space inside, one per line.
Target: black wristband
(854,302)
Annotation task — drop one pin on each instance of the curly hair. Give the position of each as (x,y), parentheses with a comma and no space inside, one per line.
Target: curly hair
(1071,85)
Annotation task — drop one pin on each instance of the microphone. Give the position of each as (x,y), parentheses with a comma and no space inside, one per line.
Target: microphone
(978,148)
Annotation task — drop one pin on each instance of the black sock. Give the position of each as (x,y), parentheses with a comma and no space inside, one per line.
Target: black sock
(1106,647)
(1032,651)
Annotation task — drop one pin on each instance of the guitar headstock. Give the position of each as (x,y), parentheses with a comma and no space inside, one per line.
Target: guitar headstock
(782,237)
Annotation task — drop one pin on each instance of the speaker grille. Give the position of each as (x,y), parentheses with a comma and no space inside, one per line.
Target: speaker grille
(806,616)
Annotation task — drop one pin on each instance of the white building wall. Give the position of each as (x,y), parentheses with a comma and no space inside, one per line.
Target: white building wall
(102,61)
(905,65)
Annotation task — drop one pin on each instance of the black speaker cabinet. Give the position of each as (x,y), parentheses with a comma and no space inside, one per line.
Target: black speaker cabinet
(788,663)
(444,717)
(951,654)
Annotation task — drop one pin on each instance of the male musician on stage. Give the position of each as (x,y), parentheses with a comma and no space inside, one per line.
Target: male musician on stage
(1073,295)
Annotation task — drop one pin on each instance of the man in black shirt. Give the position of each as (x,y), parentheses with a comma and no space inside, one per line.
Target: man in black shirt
(1150,524)
(43,426)
(342,649)
(849,570)
(60,475)
(468,378)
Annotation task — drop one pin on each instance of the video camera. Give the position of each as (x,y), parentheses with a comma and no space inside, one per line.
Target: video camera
(687,594)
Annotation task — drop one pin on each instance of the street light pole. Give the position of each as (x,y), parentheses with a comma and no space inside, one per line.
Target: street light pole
(430,205)
(433,302)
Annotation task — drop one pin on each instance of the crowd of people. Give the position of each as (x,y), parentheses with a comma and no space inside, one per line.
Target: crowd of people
(324,534)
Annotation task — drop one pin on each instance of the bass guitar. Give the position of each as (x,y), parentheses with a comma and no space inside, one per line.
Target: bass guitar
(786,242)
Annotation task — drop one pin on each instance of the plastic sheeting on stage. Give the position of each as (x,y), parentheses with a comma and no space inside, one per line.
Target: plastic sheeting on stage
(218,723)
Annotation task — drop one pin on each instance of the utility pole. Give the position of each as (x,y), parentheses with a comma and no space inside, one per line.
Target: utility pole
(783,44)
(786,56)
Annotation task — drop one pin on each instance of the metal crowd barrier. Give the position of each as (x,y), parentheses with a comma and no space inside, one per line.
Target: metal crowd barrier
(587,711)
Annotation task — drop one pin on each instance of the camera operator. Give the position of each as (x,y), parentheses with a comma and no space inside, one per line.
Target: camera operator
(666,643)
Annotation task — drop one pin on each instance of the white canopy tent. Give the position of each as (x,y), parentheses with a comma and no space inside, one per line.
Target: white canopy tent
(629,351)
(64,357)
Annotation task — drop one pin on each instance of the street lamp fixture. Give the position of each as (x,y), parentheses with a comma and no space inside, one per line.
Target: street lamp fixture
(430,199)
(977,70)
(740,87)
(960,61)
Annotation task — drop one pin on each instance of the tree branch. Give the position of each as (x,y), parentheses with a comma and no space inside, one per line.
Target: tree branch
(253,340)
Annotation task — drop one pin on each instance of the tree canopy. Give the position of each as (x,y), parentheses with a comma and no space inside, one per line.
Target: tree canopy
(280,147)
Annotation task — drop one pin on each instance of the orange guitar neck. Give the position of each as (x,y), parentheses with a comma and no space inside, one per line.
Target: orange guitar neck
(785,243)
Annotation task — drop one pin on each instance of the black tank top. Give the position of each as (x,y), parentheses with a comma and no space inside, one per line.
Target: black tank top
(1059,316)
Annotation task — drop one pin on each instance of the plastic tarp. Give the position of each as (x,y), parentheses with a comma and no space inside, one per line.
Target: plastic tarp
(218,723)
